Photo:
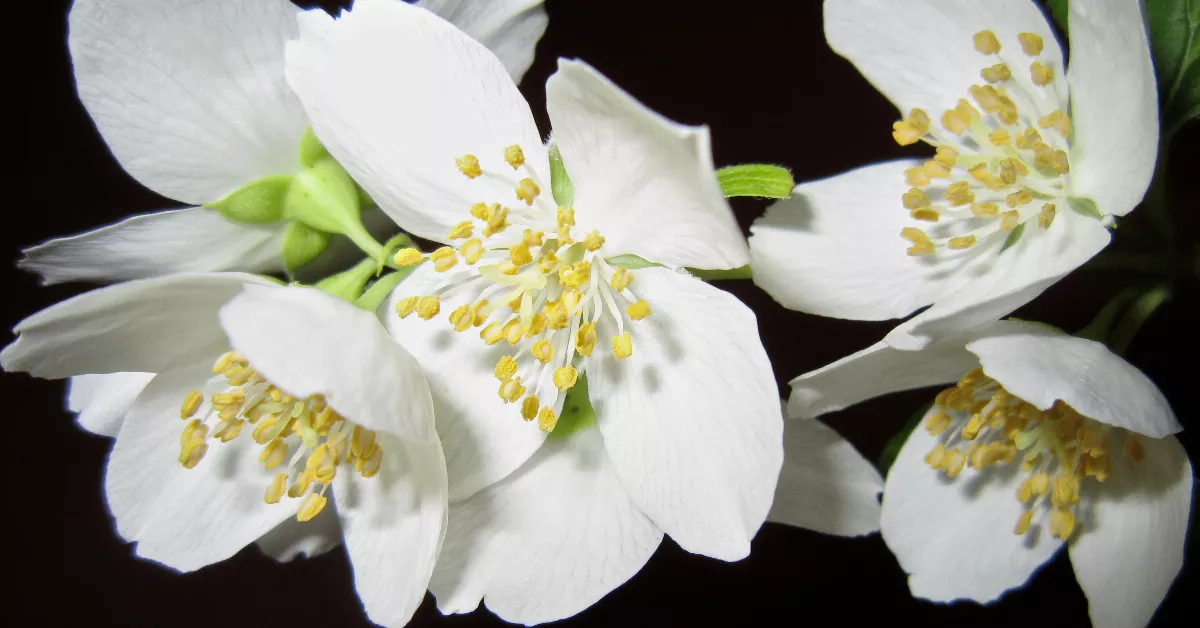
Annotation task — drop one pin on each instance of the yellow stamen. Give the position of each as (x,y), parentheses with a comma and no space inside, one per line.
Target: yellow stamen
(193,451)
(497,220)
(915,199)
(996,73)
(480,211)
(519,254)
(514,156)
(961,242)
(959,193)
(428,307)
(565,377)
(512,390)
(1000,137)
(986,42)
(622,346)
(1023,522)
(312,506)
(461,230)
(1018,198)
(273,454)
(527,190)
(405,306)
(639,310)
(542,351)
(471,251)
(532,238)
(585,339)
(505,368)
(1010,220)
(926,215)
(275,490)
(1133,449)
(529,408)
(444,259)
(461,318)
(468,165)
(547,420)
(1046,216)
(593,241)
(191,404)
(1040,74)
(1062,523)
(1031,43)
(912,128)
(621,279)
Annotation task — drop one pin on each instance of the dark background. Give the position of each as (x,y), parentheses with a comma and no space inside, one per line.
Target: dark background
(761,75)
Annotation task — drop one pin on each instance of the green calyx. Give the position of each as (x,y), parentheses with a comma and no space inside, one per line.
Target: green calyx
(560,183)
(301,245)
(257,203)
(324,197)
(577,413)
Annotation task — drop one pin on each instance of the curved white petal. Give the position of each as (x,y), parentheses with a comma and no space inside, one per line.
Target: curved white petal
(1114,104)
(1130,549)
(189,96)
(146,326)
(174,241)
(955,537)
(691,421)
(484,438)
(393,524)
(309,342)
(646,183)
(546,542)
(1041,365)
(102,401)
(921,53)
(186,518)
(397,127)
(825,484)
(509,28)
(877,370)
(293,538)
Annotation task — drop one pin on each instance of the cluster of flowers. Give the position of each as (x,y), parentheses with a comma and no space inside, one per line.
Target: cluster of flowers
(523,413)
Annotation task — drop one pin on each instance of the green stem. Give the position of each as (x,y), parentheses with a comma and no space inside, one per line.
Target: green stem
(1136,316)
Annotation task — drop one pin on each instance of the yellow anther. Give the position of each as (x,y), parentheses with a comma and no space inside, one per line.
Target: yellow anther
(937,423)
(928,214)
(1023,522)
(1031,43)
(970,431)
(1098,467)
(542,351)
(570,300)
(226,361)
(936,457)
(406,306)
(513,332)
(987,97)
(1062,523)
(556,314)
(547,420)
(620,279)
(622,346)
(547,263)
(514,156)
(915,199)
(914,235)
(479,312)
(1010,219)
(585,339)
(1040,74)
(195,430)
(1028,139)
(471,251)
(593,241)
(1040,483)
(1000,137)
(1065,491)
(1046,216)
(532,238)
(480,211)
(959,193)
(273,454)
(265,430)
(537,325)
(936,169)
(444,259)
(497,220)
(1133,449)
(955,461)
(959,118)
(468,165)
(986,42)
(428,307)
(369,465)
(229,430)
(493,333)
(299,486)
(1010,169)
(519,254)
(238,375)
(565,216)
(192,452)
(512,390)
(463,229)
(1060,163)
(912,128)
(505,368)
(312,506)
(996,73)
(576,275)
(461,318)
(529,408)
(946,156)
(527,190)
(638,310)
(961,242)
(191,404)
(1018,198)
(1025,491)
(275,490)
(921,249)
(1007,112)
(916,177)
(565,377)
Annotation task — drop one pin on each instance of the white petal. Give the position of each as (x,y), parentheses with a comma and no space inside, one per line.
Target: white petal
(394,523)
(509,28)
(691,421)
(398,127)
(484,438)
(546,542)
(1114,104)
(175,241)
(1131,548)
(293,538)
(875,371)
(995,285)
(147,326)
(102,401)
(189,96)
(309,342)
(834,248)
(186,518)
(921,54)
(646,183)
(1040,365)
(955,537)
(825,484)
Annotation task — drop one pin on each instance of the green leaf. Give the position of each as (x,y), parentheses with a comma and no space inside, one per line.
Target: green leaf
(630,261)
(577,412)
(301,244)
(741,272)
(1058,10)
(259,202)
(560,183)
(757,180)
(1175,44)
(896,442)
(379,291)
(311,148)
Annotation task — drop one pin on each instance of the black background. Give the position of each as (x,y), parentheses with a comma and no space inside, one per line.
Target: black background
(761,75)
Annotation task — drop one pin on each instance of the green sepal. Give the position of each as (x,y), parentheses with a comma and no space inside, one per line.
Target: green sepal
(348,285)
(560,183)
(260,202)
(301,245)
(1102,323)
(741,272)
(379,291)
(577,413)
(630,261)
(1014,236)
(892,449)
(324,197)
(1058,10)
(311,149)
(1084,206)
(756,180)
(1135,317)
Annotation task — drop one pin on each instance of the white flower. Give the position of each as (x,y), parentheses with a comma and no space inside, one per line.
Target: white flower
(686,438)
(1046,439)
(190,97)
(1018,195)
(309,403)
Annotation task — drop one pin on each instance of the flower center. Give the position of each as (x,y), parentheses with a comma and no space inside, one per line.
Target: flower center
(320,438)
(980,424)
(528,281)
(994,170)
